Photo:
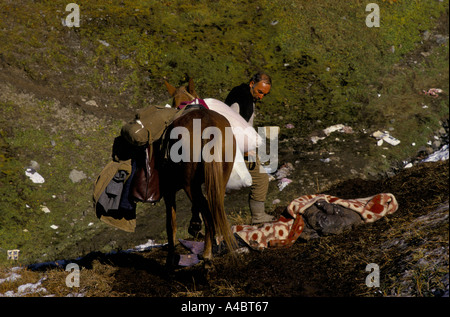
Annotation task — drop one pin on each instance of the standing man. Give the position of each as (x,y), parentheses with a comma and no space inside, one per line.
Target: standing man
(242,99)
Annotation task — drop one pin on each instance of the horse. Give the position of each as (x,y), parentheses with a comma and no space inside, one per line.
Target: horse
(191,174)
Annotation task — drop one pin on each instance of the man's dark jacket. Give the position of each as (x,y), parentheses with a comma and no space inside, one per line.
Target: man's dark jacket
(241,94)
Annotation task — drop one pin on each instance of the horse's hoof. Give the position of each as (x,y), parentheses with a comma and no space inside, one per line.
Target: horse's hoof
(194,230)
(210,270)
(172,261)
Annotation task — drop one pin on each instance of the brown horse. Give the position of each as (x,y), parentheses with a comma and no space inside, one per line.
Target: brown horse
(190,174)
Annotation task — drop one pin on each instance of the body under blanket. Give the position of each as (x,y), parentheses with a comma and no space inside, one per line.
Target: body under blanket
(287,229)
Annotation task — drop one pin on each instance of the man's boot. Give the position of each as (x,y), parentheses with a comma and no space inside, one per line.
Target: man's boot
(258,213)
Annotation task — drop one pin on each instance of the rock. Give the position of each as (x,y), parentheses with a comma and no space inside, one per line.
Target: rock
(426,35)
(92,103)
(441,39)
(34,165)
(77,176)
(436,144)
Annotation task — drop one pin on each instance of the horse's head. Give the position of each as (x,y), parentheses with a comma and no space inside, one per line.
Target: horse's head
(182,94)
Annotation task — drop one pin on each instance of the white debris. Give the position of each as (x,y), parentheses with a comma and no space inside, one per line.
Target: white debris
(150,244)
(441,155)
(334,128)
(45,209)
(284,171)
(34,176)
(11,278)
(283,183)
(386,137)
(54,227)
(104,43)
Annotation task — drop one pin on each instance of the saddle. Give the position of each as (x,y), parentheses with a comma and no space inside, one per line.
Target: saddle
(145,183)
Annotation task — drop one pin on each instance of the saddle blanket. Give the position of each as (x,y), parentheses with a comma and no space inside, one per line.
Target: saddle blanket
(286,230)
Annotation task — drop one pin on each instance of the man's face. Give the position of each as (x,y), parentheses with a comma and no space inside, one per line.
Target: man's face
(259,90)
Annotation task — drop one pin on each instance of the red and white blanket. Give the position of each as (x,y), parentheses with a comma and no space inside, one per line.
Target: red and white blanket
(285,231)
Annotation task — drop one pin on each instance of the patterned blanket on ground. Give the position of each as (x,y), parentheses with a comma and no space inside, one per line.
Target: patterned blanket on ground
(286,230)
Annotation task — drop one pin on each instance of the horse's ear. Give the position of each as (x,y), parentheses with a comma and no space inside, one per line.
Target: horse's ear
(191,86)
(171,89)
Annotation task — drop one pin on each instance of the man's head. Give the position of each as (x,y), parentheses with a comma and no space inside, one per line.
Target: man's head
(260,85)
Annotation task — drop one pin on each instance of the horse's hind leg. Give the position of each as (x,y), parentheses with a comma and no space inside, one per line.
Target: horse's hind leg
(195,225)
(171,226)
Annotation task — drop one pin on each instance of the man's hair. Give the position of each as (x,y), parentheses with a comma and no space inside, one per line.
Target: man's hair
(261,76)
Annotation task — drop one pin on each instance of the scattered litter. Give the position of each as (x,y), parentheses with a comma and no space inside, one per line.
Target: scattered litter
(54,227)
(283,183)
(90,224)
(441,155)
(276,201)
(409,165)
(284,171)
(339,128)
(45,209)
(334,128)
(168,106)
(13,254)
(326,160)
(150,244)
(34,176)
(386,137)
(289,126)
(104,43)
(432,92)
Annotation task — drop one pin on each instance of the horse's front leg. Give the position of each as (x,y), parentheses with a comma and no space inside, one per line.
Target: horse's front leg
(171,226)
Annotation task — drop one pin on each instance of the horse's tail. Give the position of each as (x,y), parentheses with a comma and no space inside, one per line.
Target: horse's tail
(215,194)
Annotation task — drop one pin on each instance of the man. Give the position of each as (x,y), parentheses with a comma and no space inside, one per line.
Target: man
(242,99)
